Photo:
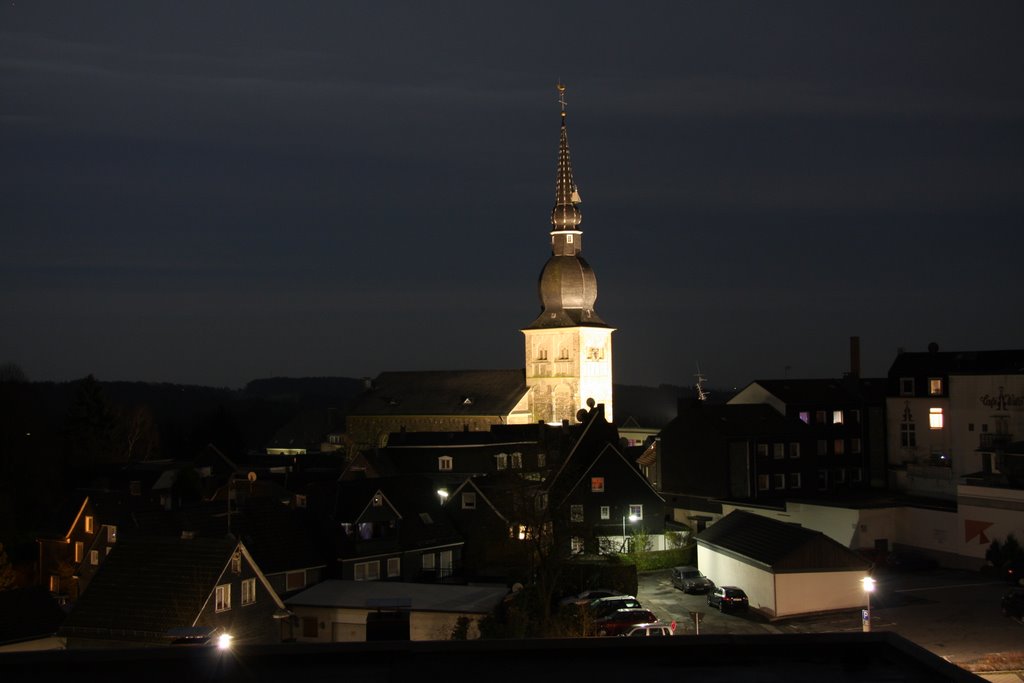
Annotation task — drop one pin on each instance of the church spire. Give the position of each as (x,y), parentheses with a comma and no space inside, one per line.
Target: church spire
(566,214)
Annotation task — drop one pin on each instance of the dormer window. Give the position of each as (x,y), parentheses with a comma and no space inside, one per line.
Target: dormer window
(444,463)
(88,524)
(935,386)
(906,386)
(501,461)
(597,484)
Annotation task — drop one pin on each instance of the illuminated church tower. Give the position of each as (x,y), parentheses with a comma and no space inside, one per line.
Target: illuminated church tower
(568,346)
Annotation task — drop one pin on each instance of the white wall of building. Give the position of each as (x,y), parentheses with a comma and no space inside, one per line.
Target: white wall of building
(758,584)
(983,404)
(349,625)
(809,592)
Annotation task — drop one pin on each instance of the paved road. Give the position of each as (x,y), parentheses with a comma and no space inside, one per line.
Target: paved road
(954,614)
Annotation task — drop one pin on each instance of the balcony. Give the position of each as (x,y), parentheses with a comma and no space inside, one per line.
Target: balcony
(993,442)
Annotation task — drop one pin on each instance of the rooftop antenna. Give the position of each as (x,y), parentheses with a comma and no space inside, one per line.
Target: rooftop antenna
(701,394)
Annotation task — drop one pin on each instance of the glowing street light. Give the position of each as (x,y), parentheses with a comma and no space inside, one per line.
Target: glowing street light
(632,520)
(869,587)
(443,494)
(224,641)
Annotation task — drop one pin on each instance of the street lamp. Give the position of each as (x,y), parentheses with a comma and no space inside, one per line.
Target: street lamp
(443,495)
(632,519)
(869,587)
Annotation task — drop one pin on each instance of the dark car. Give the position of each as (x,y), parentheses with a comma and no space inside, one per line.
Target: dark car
(1012,604)
(691,580)
(622,620)
(728,599)
(605,606)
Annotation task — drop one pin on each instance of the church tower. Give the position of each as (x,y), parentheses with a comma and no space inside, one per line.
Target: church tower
(568,346)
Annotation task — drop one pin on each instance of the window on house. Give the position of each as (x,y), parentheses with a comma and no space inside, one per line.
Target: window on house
(517,461)
(300,500)
(428,561)
(819,417)
(222,598)
(908,436)
(636,511)
(540,502)
(935,418)
(839,447)
(94,557)
(79,551)
(837,417)
(794,480)
(780,481)
(367,571)
(855,416)
(762,450)
(444,463)
(840,475)
(540,460)
(779,451)
(501,460)
(568,238)
(794,449)
(822,479)
(934,386)
(606,512)
(394,567)
(135,488)
(295,580)
(563,354)
(762,482)
(822,447)
(111,534)
(597,484)
(54,583)
(906,386)
(309,629)
(248,592)
(856,474)
(575,513)
(236,563)
(855,445)
(469,500)
(805,417)
(88,524)
(576,545)
(970,426)
(542,354)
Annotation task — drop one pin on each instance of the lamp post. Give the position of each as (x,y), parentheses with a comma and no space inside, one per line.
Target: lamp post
(869,586)
(632,519)
(443,495)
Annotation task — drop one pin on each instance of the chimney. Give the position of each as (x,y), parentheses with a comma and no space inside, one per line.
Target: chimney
(855,357)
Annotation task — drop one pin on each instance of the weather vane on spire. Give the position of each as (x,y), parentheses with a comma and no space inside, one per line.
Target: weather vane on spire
(561,95)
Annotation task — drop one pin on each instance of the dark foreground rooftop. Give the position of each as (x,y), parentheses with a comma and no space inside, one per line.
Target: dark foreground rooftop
(796,658)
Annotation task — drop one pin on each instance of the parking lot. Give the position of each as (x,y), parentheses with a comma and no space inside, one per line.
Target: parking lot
(954,614)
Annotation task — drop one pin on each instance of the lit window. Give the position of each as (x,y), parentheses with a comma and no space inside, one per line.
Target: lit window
(837,417)
(236,563)
(636,511)
(794,480)
(88,524)
(935,418)
(779,451)
(597,484)
(94,557)
(111,534)
(780,481)
(222,600)
(568,239)
(444,463)
(575,513)
(469,501)
(935,386)
(576,545)
(79,550)
(517,461)
(367,571)
(805,417)
(54,583)
(501,460)
(606,512)
(762,482)
(906,386)
(394,567)
(794,449)
(248,592)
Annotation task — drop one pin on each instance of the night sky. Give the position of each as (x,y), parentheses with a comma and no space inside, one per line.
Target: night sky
(214,192)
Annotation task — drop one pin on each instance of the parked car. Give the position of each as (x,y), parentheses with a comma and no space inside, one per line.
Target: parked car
(728,599)
(691,580)
(605,606)
(587,596)
(1012,604)
(622,620)
(658,629)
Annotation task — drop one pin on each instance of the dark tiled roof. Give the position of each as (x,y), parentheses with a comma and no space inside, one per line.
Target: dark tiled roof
(842,391)
(1009,361)
(778,546)
(150,585)
(278,537)
(443,392)
(733,420)
(412,496)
